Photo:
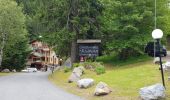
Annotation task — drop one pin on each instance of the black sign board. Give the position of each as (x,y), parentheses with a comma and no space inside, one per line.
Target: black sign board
(89,50)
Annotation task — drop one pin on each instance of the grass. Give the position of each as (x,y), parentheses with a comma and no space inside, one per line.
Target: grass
(3,74)
(124,79)
(115,61)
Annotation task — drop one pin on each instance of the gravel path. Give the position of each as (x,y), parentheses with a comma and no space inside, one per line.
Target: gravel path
(31,86)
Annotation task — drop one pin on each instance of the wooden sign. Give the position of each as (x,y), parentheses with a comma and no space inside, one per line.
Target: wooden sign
(91,50)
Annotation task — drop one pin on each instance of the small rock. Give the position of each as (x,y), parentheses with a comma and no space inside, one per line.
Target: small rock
(153,92)
(156,60)
(85,83)
(102,89)
(6,71)
(164,67)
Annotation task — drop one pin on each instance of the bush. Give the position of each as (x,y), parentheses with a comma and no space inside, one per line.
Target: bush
(66,69)
(100,70)
(75,65)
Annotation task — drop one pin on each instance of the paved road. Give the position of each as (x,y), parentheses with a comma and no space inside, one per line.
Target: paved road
(31,86)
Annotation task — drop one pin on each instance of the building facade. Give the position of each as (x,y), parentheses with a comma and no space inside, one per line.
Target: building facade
(42,55)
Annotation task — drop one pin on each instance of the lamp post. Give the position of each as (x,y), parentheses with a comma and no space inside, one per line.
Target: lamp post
(157,34)
(40,36)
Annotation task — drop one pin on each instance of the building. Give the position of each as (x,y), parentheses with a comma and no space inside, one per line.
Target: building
(41,55)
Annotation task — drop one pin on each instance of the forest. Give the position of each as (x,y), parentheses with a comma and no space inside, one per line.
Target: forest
(124,26)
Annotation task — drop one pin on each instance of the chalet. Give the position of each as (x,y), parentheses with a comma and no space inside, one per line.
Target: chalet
(41,55)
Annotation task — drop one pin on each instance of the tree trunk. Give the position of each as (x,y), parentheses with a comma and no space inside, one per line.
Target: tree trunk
(73,12)
(73,51)
(2,47)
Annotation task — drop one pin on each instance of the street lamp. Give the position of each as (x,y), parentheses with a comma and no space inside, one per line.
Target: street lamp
(40,36)
(157,34)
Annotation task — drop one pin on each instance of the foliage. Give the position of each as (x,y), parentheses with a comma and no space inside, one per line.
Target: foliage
(124,26)
(76,65)
(100,70)
(66,69)
(130,25)
(62,22)
(12,23)
(17,57)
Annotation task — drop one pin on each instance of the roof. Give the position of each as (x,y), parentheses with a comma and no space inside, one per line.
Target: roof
(89,41)
(33,41)
(36,54)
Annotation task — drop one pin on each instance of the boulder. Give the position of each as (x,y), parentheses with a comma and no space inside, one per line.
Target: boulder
(79,70)
(102,89)
(76,74)
(85,83)
(67,63)
(14,70)
(74,77)
(6,71)
(166,66)
(153,92)
(156,60)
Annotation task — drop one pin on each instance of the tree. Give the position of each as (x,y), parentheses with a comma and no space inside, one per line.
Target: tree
(12,29)
(123,26)
(132,24)
(61,23)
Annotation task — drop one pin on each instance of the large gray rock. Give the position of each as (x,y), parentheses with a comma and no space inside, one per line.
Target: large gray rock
(14,71)
(153,92)
(76,74)
(156,60)
(166,66)
(85,83)
(67,63)
(102,89)
(6,71)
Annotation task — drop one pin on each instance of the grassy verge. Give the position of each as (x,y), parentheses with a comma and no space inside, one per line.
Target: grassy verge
(3,74)
(125,81)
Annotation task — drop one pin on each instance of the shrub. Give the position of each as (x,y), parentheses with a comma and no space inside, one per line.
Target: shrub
(100,70)
(66,69)
(75,65)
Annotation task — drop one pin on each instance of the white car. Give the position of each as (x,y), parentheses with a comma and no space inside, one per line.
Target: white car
(30,70)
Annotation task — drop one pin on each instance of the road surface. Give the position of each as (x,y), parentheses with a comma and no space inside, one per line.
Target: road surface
(31,86)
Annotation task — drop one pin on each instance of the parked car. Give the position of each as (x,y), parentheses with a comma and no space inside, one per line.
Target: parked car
(149,49)
(30,70)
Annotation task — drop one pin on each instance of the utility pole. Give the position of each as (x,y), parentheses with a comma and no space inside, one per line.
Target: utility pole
(2,47)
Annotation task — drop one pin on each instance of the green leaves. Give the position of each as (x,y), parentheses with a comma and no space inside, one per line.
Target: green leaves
(12,23)
(121,24)
(131,25)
